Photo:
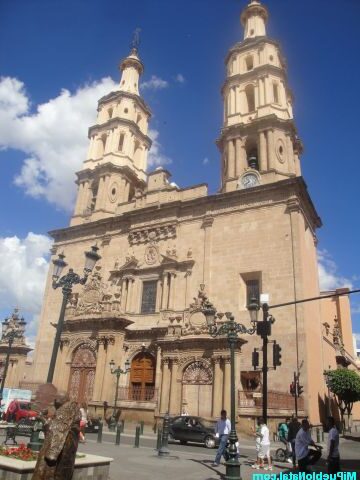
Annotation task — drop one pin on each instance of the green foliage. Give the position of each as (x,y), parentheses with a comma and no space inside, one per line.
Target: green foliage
(345,385)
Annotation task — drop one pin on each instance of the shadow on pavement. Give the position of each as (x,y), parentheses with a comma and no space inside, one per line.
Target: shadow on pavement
(208,464)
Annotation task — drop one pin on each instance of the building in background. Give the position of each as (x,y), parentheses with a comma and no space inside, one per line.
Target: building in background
(163,247)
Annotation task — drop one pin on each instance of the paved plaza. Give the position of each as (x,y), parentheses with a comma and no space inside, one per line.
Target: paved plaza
(190,461)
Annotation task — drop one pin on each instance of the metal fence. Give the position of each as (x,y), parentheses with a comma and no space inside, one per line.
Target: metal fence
(276,400)
(137,393)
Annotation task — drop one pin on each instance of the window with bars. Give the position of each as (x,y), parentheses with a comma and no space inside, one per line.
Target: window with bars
(148,301)
(252,290)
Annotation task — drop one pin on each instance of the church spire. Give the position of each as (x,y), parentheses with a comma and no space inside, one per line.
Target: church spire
(254,18)
(131,67)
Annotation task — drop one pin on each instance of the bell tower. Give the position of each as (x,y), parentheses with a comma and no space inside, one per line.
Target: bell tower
(258,141)
(116,162)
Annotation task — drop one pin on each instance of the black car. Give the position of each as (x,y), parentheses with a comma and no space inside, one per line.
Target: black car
(193,429)
(92,425)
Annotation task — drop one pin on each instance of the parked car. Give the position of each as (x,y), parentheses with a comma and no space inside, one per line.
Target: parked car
(19,410)
(193,429)
(92,425)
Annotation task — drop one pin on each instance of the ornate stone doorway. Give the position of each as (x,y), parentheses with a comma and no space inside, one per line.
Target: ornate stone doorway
(142,377)
(197,386)
(82,374)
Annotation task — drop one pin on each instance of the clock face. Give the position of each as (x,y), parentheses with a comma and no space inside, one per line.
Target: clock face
(249,180)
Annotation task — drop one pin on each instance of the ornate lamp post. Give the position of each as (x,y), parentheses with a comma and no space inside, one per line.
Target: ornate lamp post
(12,332)
(117,371)
(231,329)
(66,283)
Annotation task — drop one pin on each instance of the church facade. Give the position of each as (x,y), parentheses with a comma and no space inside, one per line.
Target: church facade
(163,248)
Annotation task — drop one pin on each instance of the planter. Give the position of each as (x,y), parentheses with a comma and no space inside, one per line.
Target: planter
(88,467)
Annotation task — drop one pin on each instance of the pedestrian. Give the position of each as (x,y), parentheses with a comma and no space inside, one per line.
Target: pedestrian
(222,430)
(333,459)
(257,435)
(293,428)
(283,431)
(303,440)
(83,421)
(264,445)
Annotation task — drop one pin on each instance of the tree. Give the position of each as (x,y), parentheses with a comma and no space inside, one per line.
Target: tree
(345,385)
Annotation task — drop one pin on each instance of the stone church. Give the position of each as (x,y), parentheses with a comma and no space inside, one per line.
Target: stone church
(163,247)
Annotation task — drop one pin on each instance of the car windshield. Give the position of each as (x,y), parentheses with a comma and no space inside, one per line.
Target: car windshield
(24,406)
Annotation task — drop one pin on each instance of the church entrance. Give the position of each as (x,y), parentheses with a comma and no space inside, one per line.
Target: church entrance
(82,374)
(197,385)
(142,377)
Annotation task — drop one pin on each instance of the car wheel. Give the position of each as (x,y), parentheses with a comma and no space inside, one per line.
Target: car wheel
(183,442)
(209,442)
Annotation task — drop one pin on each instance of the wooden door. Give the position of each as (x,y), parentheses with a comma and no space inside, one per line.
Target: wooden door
(197,389)
(82,374)
(142,377)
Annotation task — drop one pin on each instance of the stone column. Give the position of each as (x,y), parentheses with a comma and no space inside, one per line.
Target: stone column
(226,385)
(172,291)
(129,295)
(239,167)
(158,369)
(165,386)
(158,295)
(290,155)
(271,149)
(174,396)
(217,388)
(126,191)
(123,294)
(231,159)
(79,201)
(263,156)
(207,224)
(261,91)
(100,369)
(165,293)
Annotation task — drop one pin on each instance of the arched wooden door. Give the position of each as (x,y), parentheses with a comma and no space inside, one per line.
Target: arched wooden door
(197,385)
(82,374)
(142,377)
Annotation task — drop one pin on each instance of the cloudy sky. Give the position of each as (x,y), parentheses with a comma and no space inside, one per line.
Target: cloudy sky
(58,58)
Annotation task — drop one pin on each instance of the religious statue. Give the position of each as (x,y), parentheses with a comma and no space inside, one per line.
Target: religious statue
(57,456)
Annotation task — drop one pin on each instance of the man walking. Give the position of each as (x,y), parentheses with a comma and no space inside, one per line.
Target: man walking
(304,456)
(333,459)
(294,427)
(222,430)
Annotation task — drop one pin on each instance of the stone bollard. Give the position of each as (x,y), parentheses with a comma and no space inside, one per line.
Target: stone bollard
(164,450)
(118,434)
(99,435)
(142,427)
(137,438)
(159,438)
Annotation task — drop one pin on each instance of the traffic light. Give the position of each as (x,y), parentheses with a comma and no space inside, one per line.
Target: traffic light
(300,390)
(255,359)
(276,355)
(293,389)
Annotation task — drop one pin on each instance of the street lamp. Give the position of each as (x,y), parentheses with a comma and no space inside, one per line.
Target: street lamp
(66,283)
(10,335)
(117,371)
(231,329)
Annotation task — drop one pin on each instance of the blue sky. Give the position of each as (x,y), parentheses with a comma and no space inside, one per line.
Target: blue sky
(60,54)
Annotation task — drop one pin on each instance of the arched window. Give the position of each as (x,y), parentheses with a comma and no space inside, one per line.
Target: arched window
(94,192)
(253,159)
(121,142)
(250,98)
(249,62)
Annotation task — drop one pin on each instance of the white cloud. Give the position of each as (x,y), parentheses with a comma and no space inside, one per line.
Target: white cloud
(180,78)
(53,137)
(23,270)
(155,83)
(329,276)
(205,161)
(156,157)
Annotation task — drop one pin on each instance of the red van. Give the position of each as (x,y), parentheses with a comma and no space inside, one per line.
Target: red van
(19,409)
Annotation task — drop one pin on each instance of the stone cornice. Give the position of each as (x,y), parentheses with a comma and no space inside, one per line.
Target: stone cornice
(199,341)
(114,122)
(251,43)
(21,350)
(94,322)
(119,93)
(198,208)
(107,168)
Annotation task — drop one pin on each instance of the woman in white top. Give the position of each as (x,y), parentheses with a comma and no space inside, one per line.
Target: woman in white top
(264,451)
(83,421)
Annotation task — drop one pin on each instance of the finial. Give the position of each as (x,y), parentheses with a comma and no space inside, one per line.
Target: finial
(134,45)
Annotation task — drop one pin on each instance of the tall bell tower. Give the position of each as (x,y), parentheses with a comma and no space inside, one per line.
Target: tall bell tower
(116,162)
(258,141)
